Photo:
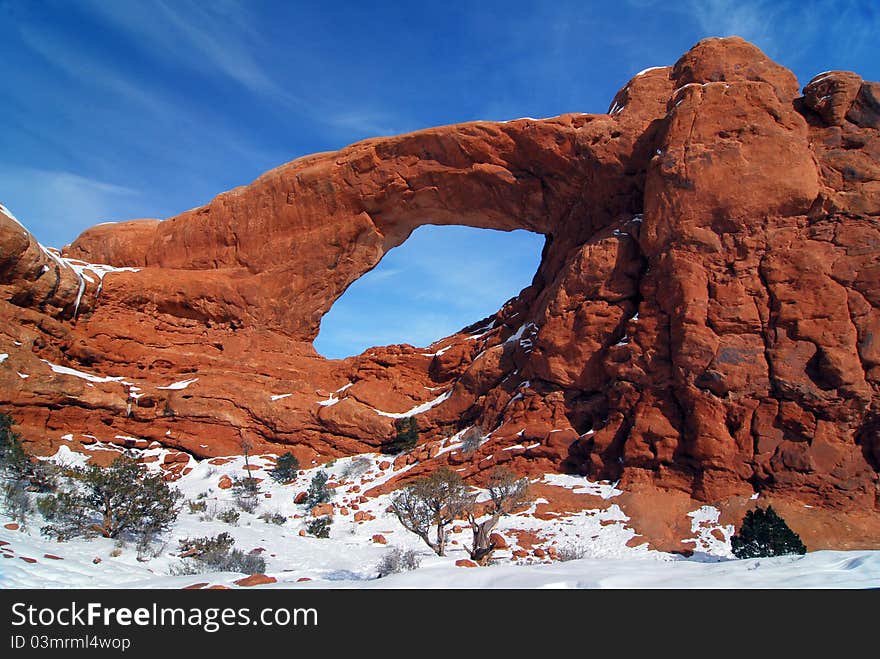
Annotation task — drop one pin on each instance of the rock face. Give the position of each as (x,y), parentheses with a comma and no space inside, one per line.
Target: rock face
(705,318)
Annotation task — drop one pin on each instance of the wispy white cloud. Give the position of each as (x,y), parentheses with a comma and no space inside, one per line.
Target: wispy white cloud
(222,38)
(127,98)
(55,205)
(366,121)
(793,31)
(215,36)
(752,20)
(59,51)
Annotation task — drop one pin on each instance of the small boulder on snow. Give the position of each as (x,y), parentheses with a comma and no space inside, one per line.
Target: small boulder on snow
(255,580)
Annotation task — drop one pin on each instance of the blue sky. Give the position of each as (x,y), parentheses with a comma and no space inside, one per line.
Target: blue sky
(114,109)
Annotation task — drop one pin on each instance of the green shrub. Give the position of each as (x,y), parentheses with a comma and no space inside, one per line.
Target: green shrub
(217,554)
(763,534)
(285,469)
(246,492)
(14,461)
(111,501)
(17,464)
(69,514)
(229,516)
(197,506)
(406,438)
(320,526)
(318,491)
(356,468)
(17,502)
(205,547)
(396,560)
(273,518)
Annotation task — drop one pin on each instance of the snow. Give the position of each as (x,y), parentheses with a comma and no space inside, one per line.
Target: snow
(79,267)
(480,332)
(455,442)
(418,409)
(349,557)
(100,270)
(12,217)
(65,370)
(332,399)
(704,520)
(650,68)
(819,78)
(23,376)
(182,384)
(517,336)
(581,485)
(822,569)
(68,437)
(524,119)
(275,397)
(3,357)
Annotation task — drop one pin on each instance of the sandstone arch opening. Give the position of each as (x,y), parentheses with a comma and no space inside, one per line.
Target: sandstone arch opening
(442,278)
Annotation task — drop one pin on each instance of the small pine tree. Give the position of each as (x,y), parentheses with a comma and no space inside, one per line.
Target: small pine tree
(110,501)
(17,465)
(16,502)
(14,461)
(406,438)
(318,492)
(285,469)
(763,534)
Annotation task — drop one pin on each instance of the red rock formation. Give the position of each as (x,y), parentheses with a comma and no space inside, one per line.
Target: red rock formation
(705,315)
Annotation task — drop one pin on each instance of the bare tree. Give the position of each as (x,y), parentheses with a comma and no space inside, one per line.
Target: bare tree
(246,446)
(433,501)
(246,490)
(506,493)
(471,439)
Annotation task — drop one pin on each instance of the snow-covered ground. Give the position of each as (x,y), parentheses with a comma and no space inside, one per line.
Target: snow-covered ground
(349,558)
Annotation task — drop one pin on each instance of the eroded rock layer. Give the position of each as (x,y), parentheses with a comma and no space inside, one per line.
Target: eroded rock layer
(705,318)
